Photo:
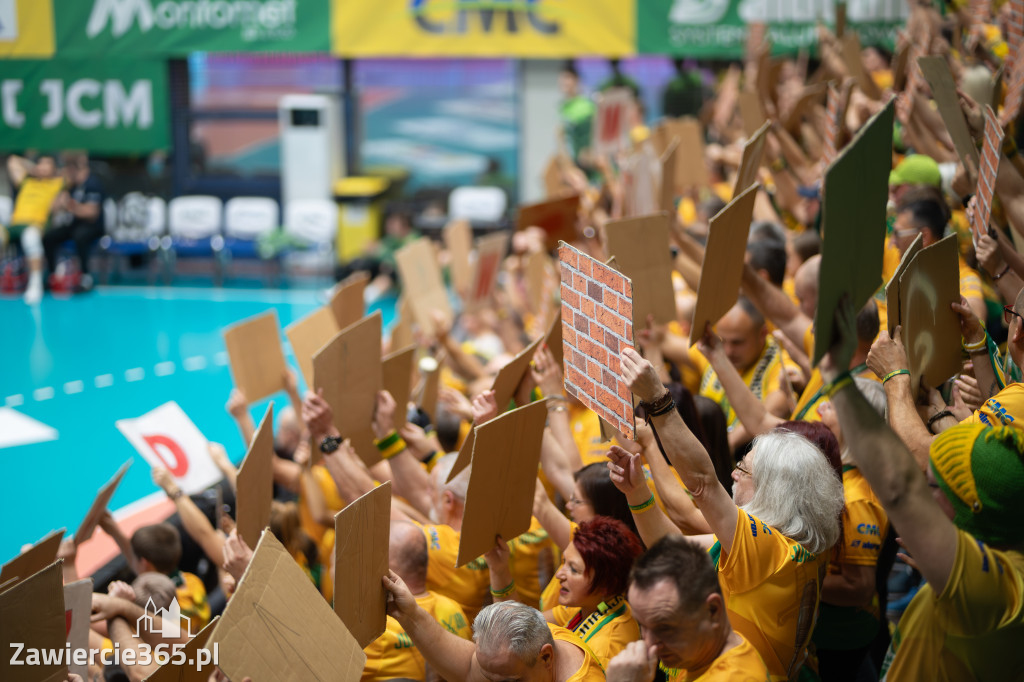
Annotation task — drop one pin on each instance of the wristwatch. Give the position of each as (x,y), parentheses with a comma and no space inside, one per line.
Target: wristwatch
(329,444)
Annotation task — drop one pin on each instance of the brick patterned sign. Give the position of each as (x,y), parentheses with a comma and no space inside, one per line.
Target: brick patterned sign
(1015,24)
(1015,87)
(990,153)
(597,323)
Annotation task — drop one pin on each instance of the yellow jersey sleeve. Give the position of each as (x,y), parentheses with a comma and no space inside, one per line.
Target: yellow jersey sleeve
(985,590)
(1005,408)
(757,552)
(393,656)
(331,496)
(34,201)
(864,527)
(970,283)
(531,561)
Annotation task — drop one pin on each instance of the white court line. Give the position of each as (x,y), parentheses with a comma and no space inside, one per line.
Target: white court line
(163,369)
(73,387)
(14,400)
(135,374)
(104,380)
(41,394)
(221,358)
(195,363)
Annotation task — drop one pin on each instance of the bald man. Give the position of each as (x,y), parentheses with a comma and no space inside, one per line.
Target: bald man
(394,655)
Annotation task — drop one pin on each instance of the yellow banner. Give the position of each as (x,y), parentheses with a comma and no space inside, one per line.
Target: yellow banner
(483,28)
(26,29)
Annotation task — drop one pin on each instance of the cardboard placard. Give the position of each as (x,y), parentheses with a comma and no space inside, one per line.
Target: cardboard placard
(855,67)
(856,189)
(32,614)
(554,185)
(613,120)
(750,163)
(188,671)
(557,217)
(77,613)
(691,171)
(593,335)
(99,505)
(362,531)
(255,482)
(31,561)
(538,269)
(401,332)
(309,335)
(640,248)
(430,385)
(553,339)
(940,80)
(396,379)
(490,251)
(422,284)
(931,330)
(892,288)
(458,240)
(988,168)
(278,627)
(811,95)
(722,269)
(166,437)
(348,304)
(751,112)
(505,384)
(348,369)
(840,19)
(254,351)
(668,177)
(499,500)
(641,174)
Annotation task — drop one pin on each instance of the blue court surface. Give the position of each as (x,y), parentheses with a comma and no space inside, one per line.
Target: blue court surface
(72,367)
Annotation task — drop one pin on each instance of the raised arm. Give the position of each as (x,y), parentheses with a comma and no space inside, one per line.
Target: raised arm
(628,476)
(889,467)
(450,655)
(548,376)
(559,528)
(678,506)
(683,449)
(776,305)
(193,519)
(409,479)
(238,408)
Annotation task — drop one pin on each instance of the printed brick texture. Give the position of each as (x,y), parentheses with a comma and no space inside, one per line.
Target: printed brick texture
(989,162)
(597,323)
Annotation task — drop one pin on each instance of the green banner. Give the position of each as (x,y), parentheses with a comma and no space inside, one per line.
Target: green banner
(105,107)
(717,29)
(165,28)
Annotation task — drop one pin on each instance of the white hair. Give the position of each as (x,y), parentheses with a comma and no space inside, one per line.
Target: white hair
(512,626)
(459,486)
(796,492)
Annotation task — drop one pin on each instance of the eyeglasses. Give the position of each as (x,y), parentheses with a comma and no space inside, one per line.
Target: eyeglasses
(1009,313)
(740,468)
(906,233)
(575,502)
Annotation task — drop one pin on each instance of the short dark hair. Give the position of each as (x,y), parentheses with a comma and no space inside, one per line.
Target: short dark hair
(602,495)
(769,255)
(928,211)
(751,310)
(806,244)
(867,322)
(682,563)
(160,545)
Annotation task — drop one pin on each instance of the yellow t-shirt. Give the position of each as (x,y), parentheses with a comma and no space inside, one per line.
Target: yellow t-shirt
(468,586)
(591,670)
(763,377)
(191,595)
(973,630)
(772,586)
(331,496)
(865,525)
(813,396)
(741,663)
(394,656)
(1005,408)
(531,558)
(34,200)
(586,432)
(606,633)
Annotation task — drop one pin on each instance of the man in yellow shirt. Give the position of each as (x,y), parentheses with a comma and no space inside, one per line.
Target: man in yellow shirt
(38,187)
(511,641)
(960,523)
(679,604)
(393,655)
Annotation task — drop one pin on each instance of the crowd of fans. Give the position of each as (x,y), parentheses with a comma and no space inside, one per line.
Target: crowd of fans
(751,529)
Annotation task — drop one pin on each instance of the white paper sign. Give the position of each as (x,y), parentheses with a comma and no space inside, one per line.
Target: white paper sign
(613,120)
(77,610)
(166,437)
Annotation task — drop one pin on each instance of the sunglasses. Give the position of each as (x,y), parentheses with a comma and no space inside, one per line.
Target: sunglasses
(1009,313)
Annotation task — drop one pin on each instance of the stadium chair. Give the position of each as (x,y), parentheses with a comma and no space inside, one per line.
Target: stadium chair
(481,206)
(246,221)
(194,226)
(135,229)
(311,225)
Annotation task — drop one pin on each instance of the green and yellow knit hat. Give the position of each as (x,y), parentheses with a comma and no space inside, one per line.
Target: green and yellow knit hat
(980,469)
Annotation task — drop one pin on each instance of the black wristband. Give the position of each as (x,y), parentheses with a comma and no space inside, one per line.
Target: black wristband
(329,444)
(936,417)
(659,407)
